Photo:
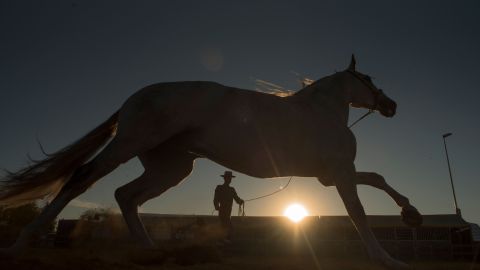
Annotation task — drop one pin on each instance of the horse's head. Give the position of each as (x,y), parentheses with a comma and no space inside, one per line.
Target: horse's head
(364,94)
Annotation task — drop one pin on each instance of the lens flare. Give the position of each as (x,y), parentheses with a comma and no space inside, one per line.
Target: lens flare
(295,212)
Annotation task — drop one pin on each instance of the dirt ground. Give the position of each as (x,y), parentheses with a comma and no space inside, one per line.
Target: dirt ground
(190,257)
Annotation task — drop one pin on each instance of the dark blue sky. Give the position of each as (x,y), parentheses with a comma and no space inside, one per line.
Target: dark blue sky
(66,66)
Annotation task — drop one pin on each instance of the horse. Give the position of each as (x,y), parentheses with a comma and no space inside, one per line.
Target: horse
(169,125)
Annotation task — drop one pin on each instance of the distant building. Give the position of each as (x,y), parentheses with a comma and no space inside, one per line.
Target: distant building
(440,236)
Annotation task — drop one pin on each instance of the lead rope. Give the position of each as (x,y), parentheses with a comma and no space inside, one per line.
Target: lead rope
(241,210)
(363,116)
(241,207)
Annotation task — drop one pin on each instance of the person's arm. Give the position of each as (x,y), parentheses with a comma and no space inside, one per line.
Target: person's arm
(237,199)
(216,200)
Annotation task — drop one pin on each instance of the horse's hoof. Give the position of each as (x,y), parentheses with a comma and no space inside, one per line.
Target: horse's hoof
(411,217)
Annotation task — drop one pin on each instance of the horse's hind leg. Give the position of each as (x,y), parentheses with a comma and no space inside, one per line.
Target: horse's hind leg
(410,214)
(83,177)
(163,170)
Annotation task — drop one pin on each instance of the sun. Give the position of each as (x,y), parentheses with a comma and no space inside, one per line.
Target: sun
(295,212)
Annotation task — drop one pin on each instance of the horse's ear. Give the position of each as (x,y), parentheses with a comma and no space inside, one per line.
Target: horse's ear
(352,63)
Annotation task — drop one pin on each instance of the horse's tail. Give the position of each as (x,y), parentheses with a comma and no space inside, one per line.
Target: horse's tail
(44,178)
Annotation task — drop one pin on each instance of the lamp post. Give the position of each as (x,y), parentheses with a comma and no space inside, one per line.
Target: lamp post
(457,210)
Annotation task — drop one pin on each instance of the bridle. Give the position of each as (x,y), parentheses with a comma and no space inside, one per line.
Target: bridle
(376,94)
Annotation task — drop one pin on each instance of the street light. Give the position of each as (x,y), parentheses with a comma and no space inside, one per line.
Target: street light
(457,210)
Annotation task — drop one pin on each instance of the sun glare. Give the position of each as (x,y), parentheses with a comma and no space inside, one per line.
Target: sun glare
(295,212)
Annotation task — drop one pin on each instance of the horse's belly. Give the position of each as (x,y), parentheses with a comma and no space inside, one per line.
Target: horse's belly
(258,158)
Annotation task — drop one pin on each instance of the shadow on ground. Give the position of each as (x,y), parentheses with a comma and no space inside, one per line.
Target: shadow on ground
(188,257)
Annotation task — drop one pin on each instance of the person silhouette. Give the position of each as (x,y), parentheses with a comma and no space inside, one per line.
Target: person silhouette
(223,201)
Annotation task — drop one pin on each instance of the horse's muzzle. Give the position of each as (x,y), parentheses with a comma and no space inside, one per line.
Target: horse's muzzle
(387,107)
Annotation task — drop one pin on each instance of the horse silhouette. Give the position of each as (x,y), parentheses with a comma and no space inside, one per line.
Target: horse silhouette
(169,125)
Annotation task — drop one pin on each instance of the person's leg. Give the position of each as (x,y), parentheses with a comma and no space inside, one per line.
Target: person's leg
(224,216)
(228,224)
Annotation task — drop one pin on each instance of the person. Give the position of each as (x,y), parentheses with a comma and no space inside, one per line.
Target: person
(223,200)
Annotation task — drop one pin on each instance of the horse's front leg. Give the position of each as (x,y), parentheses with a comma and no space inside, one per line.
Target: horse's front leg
(347,189)
(410,214)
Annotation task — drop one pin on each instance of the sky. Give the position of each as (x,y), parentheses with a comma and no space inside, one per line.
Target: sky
(67,66)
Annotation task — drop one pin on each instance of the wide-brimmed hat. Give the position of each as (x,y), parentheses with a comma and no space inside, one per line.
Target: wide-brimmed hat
(228,174)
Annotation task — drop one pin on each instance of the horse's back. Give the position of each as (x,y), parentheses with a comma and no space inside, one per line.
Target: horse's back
(178,106)
(197,99)
(175,97)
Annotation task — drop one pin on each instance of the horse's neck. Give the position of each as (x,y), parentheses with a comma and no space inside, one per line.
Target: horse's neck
(327,94)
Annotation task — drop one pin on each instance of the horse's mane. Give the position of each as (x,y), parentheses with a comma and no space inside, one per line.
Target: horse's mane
(277,90)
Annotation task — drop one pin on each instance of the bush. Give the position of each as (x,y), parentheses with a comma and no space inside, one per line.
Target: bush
(12,221)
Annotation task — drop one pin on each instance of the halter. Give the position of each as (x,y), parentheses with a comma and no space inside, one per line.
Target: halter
(376,93)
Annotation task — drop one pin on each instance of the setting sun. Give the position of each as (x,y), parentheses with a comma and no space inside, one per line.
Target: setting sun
(295,212)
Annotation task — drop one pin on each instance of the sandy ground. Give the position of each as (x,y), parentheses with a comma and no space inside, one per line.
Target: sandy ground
(191,257)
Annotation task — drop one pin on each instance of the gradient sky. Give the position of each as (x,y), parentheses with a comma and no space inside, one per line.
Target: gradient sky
(66,66)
